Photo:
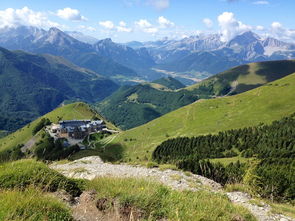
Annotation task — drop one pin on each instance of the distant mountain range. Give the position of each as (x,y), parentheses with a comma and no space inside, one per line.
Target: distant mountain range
(82,37)
(189,60)
(32,85)
(207,53)
(104,57)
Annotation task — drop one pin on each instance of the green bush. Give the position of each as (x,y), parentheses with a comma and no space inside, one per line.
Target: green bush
(276,179)
(232,173)
(42,123)
(47,149)
(152,165)
(12,154)
(230,153)
(24,173)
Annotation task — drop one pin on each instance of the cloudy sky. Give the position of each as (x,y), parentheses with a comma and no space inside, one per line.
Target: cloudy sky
(143,20)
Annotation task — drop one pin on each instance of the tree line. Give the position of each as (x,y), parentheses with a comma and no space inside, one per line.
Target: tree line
(273,147)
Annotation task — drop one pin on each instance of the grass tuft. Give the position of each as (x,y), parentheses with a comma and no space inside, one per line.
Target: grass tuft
(168,167)
(237,187)
(160,202)
(24,173)
(31,205)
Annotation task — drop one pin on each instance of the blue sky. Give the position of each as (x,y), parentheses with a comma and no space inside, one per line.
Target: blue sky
(126,20)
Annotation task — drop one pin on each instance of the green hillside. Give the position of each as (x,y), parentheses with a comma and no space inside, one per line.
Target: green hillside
(261,105)
(135,105)
(32,85)
(246,77)
(131,106)
(170,83)
(67,112)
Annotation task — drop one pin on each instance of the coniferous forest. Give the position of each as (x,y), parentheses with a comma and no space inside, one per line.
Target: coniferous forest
(270,147)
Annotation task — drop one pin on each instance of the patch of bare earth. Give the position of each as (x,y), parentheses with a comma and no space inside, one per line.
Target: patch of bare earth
(90,207)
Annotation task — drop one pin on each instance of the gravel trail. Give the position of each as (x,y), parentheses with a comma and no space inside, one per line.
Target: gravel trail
(92,167)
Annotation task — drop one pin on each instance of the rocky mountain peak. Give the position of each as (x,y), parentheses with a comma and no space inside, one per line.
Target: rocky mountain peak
(244,39)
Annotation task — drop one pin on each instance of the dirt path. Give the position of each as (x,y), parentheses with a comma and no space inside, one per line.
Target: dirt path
(91,167)
(262,212)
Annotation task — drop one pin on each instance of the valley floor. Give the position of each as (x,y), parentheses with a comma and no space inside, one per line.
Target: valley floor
(91,167)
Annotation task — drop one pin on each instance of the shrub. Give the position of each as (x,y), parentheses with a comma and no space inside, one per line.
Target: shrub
(151,165)
(168,167)
(275,179)
(47,149)
(230,153)
(42,123)
(12,154)
(232,173)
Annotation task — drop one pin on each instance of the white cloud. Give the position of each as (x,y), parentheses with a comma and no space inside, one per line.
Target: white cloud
(107,24)
(261,3)
(151,30)
(70,14)
(230,27)
(282,33)
(123,29)
(259,28)
(16,17)
(87,28)
(159,4)
(122,24)
(276,26)
(143,23)
(208,22)
(165,23)
(145,26)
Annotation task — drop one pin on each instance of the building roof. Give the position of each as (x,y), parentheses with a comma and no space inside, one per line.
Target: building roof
(74,121)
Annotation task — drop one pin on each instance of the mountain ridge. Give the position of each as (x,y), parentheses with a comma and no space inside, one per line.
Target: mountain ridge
(113,61)
(194,57)
(132,106)
(32,85)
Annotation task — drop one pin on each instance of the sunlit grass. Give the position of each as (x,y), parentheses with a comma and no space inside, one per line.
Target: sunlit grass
(158,201)
(283,208)
(261,105)
(31,205)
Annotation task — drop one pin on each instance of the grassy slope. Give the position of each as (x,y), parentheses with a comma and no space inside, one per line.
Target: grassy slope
(153,100)
(68,112)
(170,83)
(263,104)
(248,76)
